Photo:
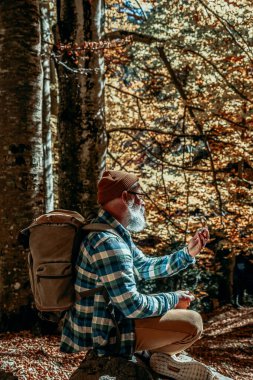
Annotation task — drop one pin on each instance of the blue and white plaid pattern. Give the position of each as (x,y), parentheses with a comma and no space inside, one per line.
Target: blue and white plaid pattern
(116,263)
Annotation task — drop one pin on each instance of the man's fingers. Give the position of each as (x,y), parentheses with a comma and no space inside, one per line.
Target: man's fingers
(186,295)
(194,241)
(189,297)
(201,240)
(203,232)
(198,241)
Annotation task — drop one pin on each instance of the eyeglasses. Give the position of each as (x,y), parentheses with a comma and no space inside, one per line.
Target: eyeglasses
(140,195)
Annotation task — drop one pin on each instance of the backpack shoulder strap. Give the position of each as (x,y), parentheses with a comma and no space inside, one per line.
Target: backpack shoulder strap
(98,227)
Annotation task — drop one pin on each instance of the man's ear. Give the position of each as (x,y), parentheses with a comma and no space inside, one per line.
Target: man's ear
(124,196)
(127,199)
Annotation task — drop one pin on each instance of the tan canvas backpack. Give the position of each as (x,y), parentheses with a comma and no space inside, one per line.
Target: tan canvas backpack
(54,240)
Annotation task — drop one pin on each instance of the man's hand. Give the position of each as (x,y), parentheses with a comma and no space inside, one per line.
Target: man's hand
(185,298)
(198,241)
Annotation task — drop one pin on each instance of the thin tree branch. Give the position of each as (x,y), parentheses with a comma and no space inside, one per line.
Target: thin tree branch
(155,157)
(126,92)
(239,125)
(165,189)
(226,23)
(138,37)
(133,157)
(140,113)
(212,137)
(198,125)
(187,181)
(155,130)
(161,211)
(147,39)
(230,85)
(115,159)
(142,10)
(152,72)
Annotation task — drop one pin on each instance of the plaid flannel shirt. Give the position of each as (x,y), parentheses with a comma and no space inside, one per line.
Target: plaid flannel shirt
(115,263)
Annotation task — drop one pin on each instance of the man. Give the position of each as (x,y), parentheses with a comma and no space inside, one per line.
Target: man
(159,322)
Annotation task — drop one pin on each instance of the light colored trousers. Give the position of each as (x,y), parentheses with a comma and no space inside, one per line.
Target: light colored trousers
(171,333)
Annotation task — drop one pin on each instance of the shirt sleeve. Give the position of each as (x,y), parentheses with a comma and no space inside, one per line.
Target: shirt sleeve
(113,263)
(149,268)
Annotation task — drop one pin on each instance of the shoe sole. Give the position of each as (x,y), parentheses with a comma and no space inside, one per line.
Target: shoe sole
(178,370)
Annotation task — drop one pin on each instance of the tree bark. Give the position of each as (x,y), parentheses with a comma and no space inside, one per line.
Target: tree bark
(82,137)
(50,105)
(46,105)
(21,196)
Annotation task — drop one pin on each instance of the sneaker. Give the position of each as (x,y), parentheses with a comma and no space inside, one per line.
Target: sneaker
(180,368)
(143,359)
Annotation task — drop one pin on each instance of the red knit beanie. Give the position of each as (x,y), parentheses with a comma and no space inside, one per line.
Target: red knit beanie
(113,183)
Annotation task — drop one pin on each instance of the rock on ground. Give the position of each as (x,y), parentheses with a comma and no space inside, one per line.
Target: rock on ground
(109,368)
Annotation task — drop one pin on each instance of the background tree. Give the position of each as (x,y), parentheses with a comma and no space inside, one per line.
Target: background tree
(34,164)
(47,17)
(21,144)
(82,138)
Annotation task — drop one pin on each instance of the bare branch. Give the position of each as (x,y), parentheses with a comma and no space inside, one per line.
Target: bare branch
(165,190)
(140,113)
(239,125)
(115,159)
(226,23)
(126,92)
(138,37)
(142,10)
(155,157)
(192,114)
(167,217)
(122,129)
(77,70)
(133,157)
(187,181)
(150,71)
(210,137)
(230,85)
(147,39)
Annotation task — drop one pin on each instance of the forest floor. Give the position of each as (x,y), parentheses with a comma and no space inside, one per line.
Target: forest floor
(227,342)
(227,346)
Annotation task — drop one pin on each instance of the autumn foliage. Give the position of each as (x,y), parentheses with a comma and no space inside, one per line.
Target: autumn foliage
(179,114)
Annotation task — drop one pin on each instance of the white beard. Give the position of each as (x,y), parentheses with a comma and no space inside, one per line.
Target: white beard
(137,220)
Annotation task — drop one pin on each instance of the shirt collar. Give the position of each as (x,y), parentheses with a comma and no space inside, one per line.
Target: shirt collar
(105,217)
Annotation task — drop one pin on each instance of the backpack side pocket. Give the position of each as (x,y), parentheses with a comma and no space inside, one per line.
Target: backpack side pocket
(53,279)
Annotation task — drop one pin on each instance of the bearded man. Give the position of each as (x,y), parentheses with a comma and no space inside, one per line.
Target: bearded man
(159,323)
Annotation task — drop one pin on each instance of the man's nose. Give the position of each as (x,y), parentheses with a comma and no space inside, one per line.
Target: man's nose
(141,201)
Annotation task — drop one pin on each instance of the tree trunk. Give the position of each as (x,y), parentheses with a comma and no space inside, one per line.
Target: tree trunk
(21,196)
(82,137)
(46,105)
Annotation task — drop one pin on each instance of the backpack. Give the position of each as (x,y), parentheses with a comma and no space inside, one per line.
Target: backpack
(54,241)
